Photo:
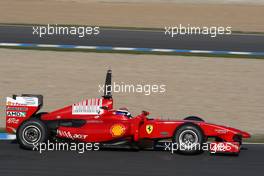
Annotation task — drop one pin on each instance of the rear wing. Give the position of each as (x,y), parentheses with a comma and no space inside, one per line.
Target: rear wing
(21,108)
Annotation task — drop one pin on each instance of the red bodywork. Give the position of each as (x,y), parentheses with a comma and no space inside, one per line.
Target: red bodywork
(98,127)
(104,124)
(95,120)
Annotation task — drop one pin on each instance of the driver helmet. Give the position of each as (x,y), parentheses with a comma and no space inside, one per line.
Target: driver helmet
(123,111)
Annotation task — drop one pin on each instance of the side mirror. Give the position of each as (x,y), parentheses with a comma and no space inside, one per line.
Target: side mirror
(145,113)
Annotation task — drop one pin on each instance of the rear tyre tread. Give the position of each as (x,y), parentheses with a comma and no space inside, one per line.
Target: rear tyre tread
(39,127)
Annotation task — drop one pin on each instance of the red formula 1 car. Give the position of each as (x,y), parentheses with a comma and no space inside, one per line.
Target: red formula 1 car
(95,121)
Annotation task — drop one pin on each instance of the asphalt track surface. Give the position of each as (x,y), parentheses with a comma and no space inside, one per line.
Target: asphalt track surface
(139,39)
(16,161)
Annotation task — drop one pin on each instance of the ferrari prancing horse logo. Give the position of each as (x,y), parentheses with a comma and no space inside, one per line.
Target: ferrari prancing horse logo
(149,129)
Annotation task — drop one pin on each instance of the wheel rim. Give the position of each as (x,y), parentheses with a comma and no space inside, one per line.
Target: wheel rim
(31,134)
(188,138)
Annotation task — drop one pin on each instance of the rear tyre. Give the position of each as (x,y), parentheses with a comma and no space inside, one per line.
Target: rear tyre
(31,133)
(189,139)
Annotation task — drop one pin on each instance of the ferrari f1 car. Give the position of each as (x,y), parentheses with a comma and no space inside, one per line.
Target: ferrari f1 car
(95,121)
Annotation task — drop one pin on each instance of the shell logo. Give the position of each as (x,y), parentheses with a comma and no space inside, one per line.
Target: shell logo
(117,130)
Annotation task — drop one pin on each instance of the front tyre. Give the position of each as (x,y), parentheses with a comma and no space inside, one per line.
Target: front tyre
(194,118)
(32,132)
(189,139)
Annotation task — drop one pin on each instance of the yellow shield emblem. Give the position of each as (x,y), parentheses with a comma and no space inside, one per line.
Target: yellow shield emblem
(149,129)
